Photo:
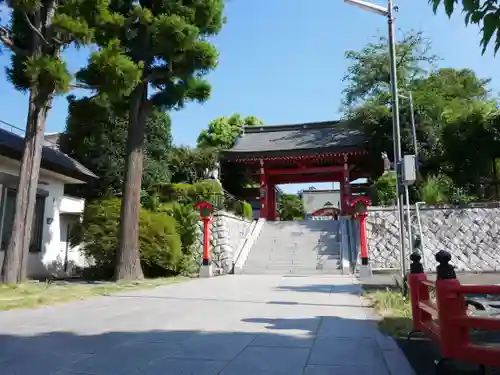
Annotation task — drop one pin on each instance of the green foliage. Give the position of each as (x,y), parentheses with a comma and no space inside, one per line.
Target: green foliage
(455,116)
(160,244)
(472,145)
(440,189)
(383,190)
(290,207)
(95,135)
(207,190)
(188,165)
(247,210)
(187,219)
(37,36)
(368,74)
(223,131)
(485,13)
(434,190)
(163,45)
(221,134)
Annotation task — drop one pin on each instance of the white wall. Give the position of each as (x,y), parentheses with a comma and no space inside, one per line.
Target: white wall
(51,258)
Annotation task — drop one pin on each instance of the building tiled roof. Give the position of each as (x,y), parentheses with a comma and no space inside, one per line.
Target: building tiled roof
(12,146)
(329,136)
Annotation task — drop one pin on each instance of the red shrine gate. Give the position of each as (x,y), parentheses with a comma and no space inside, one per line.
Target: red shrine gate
(304,153)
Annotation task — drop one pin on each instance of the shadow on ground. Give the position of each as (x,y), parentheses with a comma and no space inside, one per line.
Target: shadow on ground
(277,347)
(322,288)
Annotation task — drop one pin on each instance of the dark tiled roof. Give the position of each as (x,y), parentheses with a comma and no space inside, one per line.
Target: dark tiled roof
(299,138)
(12,146)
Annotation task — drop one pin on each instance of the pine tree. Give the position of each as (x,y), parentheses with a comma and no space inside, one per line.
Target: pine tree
(166,53)
(36,34)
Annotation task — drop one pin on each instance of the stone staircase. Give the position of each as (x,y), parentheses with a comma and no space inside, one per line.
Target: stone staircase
(296,247)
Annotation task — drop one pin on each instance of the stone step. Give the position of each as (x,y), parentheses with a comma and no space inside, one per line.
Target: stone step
(296,247)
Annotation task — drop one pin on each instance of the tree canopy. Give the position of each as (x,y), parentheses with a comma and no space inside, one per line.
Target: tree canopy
(485,13)
(157,54)
(223,131)
(36,34)
(188,165)
(455,116)
(290,207)
(96,136)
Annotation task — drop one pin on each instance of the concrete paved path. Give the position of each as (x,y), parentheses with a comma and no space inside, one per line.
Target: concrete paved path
(231,325)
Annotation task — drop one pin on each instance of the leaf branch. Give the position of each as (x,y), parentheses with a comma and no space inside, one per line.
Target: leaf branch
(35,30)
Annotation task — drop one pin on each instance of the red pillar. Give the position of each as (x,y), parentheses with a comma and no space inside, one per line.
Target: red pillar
(272,201)
(263,192)
(342,200)
(363,243)
(345,187)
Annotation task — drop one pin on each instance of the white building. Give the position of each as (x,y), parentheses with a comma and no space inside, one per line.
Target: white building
(50,252)
(314,200)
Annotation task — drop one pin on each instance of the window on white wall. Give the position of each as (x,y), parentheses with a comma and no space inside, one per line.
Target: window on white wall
(7,219)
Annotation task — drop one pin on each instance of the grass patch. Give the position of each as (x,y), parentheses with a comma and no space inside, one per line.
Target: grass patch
(394,310)
(34,294)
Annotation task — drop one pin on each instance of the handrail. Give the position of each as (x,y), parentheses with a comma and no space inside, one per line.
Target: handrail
(451,331)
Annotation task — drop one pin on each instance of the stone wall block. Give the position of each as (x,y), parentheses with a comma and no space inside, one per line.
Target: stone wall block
(471,234)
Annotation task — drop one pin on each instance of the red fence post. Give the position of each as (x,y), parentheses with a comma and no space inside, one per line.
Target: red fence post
(418,292)
(451,305)
(452,330)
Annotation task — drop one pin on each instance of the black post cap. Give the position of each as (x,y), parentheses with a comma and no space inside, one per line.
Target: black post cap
(444,269)
(416,266)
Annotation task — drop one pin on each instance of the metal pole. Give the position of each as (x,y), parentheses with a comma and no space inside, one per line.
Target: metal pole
(408,213)
(413,130)
(419,221)
(396,134)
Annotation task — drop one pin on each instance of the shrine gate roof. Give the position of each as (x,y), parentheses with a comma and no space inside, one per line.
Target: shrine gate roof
(297,139)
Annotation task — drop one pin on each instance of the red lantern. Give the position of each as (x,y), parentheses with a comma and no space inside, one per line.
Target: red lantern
(206,210)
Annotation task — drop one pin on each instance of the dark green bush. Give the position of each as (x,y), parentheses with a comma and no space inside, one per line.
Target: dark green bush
(187,226)
(160,244)
(241,208)
(383,190)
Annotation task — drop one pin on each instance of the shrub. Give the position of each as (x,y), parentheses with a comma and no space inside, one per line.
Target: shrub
(241,208)
(434,190)
(187,226)
(208,190)
(247,210)
(383,190)
(440,189)
(159,242)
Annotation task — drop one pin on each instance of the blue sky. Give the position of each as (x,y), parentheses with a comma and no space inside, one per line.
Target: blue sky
(283,61)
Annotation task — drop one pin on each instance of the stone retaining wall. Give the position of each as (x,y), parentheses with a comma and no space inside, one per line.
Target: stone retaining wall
(471,234)
(227,235)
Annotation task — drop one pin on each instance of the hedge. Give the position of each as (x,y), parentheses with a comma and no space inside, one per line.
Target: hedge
(159,241)
(186,193)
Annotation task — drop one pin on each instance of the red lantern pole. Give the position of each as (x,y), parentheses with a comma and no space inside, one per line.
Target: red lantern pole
(205,216)
(360,206)
(362,238)
(206,241)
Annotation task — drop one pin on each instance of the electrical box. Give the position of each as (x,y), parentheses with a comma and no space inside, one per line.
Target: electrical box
(409,169)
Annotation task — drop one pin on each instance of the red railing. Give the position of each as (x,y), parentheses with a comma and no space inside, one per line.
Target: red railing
(446,320)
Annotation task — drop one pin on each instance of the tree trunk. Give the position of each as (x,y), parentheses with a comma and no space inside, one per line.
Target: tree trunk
(14,268)
(128,264)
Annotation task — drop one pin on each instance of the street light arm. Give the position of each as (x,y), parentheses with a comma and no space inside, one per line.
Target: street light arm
(374,8)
